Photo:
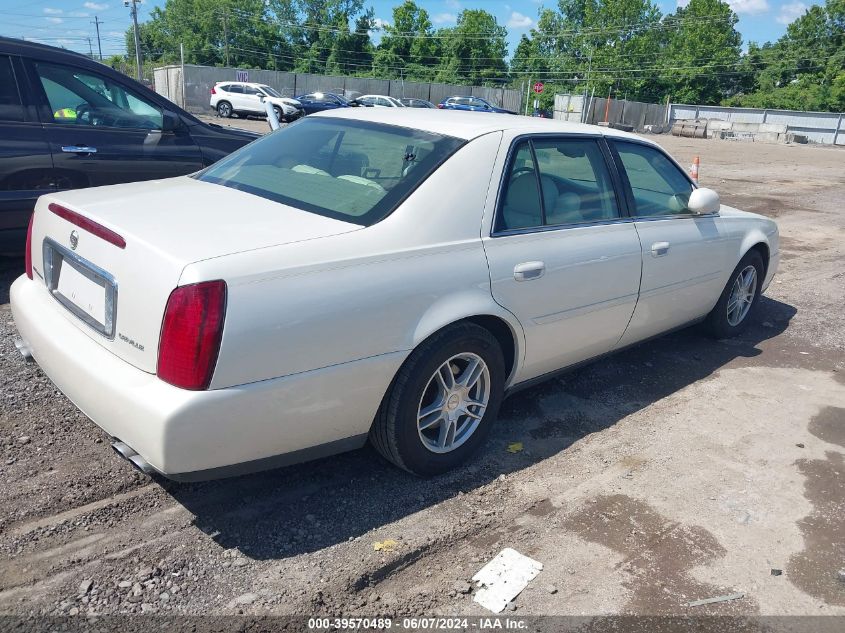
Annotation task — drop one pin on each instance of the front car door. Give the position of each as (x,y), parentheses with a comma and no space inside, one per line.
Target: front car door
(102,132)
(26,167)
(252,100)
(683,255)
(566,263)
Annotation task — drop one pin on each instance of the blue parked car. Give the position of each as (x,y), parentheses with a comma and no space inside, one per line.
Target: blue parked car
(473,104)
(320,101)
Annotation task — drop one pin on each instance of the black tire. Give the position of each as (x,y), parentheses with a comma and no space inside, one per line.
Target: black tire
(394,432)
(717,321)
(280,117)
(224,109)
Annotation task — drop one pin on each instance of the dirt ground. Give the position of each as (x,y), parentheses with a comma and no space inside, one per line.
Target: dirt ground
(679,470)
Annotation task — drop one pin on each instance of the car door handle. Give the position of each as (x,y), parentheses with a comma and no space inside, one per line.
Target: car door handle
(79,149)
(659,249)
(528,271)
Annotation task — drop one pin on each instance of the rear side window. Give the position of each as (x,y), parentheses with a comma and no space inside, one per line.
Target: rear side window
(226,88)
(573,177)
(236,89)
(11,107)
(349,170)
(659,187)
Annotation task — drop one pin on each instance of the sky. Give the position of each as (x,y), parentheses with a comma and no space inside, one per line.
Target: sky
(70,23)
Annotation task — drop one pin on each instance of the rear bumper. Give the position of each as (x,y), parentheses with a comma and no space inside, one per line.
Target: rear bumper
(192,435)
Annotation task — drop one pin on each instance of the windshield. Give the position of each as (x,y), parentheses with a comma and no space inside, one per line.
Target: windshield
(349,170)
(268,90)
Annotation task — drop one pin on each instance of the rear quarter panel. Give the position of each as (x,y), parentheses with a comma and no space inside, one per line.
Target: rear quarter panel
(383,289)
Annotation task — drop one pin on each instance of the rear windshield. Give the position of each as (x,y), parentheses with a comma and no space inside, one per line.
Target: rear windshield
(348,170)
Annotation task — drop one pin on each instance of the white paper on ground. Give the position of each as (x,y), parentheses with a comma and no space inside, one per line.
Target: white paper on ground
(503,578)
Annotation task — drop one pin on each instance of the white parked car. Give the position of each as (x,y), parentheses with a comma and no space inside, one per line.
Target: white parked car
(378,273)
(247,99)
(378,101)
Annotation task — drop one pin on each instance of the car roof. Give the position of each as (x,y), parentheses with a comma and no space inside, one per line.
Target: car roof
(470,125)
(21,47)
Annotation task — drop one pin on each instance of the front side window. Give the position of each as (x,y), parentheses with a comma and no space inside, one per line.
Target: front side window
(573,177)
(11,106)
(349,170)
(249,90)
(86,99)
(658,186)
(269,91)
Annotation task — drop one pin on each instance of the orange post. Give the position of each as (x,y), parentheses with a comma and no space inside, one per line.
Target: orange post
(693,172)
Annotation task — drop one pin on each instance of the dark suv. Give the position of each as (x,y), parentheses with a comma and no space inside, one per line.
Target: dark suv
(67,122)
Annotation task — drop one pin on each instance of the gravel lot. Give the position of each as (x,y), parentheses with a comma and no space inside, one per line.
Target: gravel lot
(679,470)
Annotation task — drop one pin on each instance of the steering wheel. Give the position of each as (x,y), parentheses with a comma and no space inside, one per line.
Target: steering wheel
(83,113)
(521,170)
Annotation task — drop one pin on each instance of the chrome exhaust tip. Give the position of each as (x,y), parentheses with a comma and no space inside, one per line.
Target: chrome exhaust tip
(123,449)
(24,348)
(129,454)
(141,464)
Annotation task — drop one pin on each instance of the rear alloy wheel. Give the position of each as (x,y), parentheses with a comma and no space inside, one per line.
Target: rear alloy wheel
(731,314)
(442,401)
(224,109)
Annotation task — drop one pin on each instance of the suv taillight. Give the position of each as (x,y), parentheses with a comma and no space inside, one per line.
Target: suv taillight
(213,91)
(28,255)
(440,106)
(191,332)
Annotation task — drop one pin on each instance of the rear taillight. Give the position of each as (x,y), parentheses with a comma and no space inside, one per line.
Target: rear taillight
(87,224)
(28,255)
(191,333)
(440,106)
(213,91)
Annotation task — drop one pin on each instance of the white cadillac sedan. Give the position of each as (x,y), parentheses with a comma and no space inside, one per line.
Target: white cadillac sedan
(387,274)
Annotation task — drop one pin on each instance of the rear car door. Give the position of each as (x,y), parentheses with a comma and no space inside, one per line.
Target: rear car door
(26,167)
(567,262)
(103,132)
(683,255)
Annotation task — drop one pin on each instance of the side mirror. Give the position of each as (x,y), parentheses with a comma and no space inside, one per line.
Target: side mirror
(170,121)
(703,201)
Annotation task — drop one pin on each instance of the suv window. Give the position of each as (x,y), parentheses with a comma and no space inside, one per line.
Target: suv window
(350,170)
(11,107)
(236,89)
(82,98)
(225,88)
(574,179)
(659,186)
(249,90)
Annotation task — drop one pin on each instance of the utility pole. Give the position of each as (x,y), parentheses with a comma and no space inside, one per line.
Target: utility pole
(97,24)
(133,4)
(226,35)
(90,49)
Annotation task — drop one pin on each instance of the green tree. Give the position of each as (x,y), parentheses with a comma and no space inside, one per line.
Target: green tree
(703,52)
(474,50)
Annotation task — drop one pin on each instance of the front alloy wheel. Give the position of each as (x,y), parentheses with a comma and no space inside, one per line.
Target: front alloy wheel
(731,314)
(742,295)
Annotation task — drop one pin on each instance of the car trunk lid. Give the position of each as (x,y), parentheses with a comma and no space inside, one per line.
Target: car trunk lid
(117,293)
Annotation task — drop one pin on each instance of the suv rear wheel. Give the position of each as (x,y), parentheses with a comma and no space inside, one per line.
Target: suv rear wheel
(224,109)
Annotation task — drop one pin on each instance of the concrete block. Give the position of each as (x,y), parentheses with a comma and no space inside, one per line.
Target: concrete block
(777,128)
